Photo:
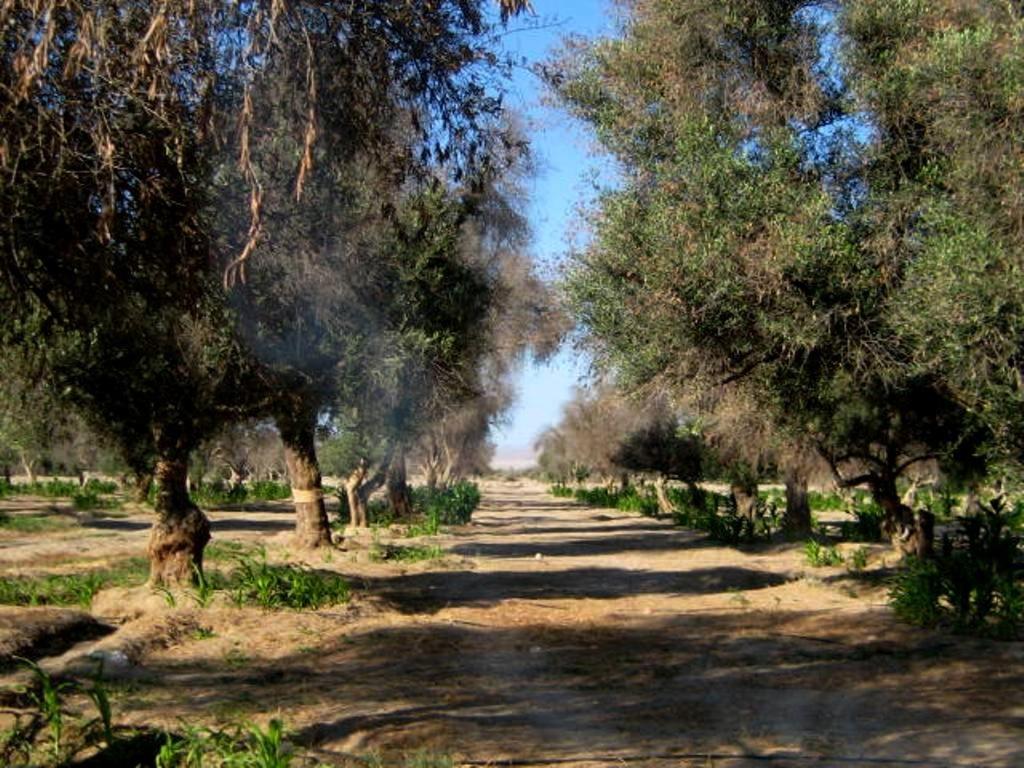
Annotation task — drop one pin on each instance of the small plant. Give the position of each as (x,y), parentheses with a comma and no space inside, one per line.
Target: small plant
(46,695)
(561,491)
(203,633)
(858,559)
(821,555)
(255,581)
(389,553)
(97,692)
(247,746)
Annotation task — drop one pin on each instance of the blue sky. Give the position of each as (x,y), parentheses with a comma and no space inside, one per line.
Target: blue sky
(565,177)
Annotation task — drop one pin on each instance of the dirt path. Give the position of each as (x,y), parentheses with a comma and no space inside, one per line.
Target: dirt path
(554,634)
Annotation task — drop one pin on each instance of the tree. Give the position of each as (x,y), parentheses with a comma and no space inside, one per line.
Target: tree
(742,249)
(115,125)
(663,446)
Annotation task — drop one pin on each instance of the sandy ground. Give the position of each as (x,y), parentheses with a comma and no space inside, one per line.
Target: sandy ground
(555,634)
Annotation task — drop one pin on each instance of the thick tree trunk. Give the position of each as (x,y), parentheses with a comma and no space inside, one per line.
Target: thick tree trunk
(745,496)
(912,533)
(312,528)
(399,498)
(181,531)
(797,520)
(665,506)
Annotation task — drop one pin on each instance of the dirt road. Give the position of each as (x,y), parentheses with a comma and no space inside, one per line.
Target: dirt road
(554,634)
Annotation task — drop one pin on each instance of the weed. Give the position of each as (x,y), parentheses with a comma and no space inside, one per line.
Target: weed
(821,555)
(34,523)
(70,589)
(99,695)
(858,559)
(246,746)
(867,521)
(235,658)
(203,633)
(255,581)
(389,553)
(46,695)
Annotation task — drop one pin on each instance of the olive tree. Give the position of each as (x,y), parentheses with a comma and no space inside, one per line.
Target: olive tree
(744,247)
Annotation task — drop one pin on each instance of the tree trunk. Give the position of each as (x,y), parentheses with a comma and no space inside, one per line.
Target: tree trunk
(399,497)
(912,533)
(797,520)
(356,498)
(312,529)
(665,506)
(745,496)
(143,482)
(29,466)
(181,531)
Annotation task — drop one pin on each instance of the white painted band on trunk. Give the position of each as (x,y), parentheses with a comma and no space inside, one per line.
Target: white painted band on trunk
(300,496)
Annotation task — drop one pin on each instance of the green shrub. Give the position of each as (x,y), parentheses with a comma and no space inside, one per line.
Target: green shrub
(453,505)
(269,490)
(34,523)
(561,491)
(866,524)
(821,502)
(821,555)
(971,583)
(716,515)
(254,581)
(916,591)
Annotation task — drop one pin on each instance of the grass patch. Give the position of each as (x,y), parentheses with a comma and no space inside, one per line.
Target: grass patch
(35,523)
(257,582)
(228,550)
(390,553)
(71,589)
(245,746)
(821,555)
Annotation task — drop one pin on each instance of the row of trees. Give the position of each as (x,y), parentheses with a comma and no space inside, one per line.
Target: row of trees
(820,219)
(302,213)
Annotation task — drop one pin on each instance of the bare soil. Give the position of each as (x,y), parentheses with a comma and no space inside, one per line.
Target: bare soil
(553,634)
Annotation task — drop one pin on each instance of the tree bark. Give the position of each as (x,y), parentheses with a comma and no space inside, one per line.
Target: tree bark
(745,496)
(912,533)
(356,499)
(181,530)
(30,468)
(399,497)
(143,482)
(797,520)
(665,506)
(312,528)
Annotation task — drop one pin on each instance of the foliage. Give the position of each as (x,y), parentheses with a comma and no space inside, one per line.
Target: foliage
(972,583)
(760,243)
(70,589)
(381,553)
(34,523)
(247,746)
(821,555)
(255,581)
(453,505)
(858,559)
(867,522)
